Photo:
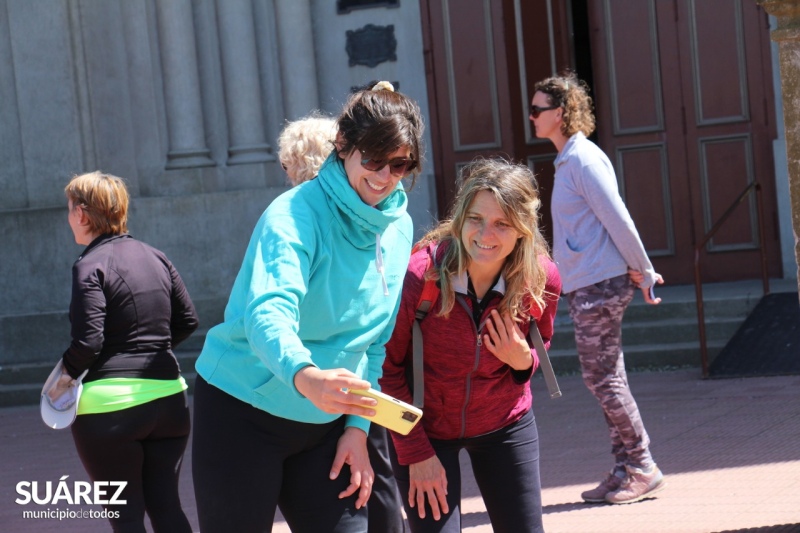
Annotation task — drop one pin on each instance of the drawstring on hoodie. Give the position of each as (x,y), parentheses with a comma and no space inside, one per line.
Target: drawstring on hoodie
(379,263)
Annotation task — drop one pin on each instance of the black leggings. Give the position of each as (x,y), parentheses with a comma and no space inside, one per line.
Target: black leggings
(144,446)
(506,468)
(246,462)
(383,507)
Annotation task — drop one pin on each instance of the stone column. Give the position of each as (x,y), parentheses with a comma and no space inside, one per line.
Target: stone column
(237,39)
(187,140)
(787,35)
(298,63)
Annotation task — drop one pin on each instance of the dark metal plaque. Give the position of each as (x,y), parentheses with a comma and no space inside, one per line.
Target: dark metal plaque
(371,45)
(345,6)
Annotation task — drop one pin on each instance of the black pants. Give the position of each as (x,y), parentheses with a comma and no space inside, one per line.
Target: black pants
(506,467)
(245,462)
(384,504)
(143,446)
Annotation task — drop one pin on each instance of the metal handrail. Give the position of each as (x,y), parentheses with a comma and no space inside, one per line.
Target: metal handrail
(701,322)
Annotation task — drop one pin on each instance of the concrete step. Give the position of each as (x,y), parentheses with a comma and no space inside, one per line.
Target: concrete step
(668,330)
(729,306)
(665,335)
(644,356)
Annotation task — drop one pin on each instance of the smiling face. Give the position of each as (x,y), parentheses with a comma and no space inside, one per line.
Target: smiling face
(372,187)
(487,234)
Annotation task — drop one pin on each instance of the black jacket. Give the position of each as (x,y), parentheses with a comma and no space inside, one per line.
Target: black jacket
(129,309)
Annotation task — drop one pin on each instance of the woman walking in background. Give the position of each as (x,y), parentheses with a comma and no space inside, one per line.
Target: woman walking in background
(601,260)
(129,309)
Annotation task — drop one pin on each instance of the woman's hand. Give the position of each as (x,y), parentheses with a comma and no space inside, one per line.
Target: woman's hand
(352,450)
(506,341)
(649,294)
(64,383)
(324,389)
(428,478)
(636,277)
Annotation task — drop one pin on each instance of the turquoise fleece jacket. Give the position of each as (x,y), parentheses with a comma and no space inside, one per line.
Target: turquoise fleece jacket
(310,292)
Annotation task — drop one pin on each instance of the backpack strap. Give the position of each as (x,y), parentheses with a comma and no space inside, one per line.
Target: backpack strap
(430,292)
(535,338)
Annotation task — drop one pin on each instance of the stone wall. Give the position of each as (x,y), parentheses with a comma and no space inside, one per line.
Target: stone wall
(184,99)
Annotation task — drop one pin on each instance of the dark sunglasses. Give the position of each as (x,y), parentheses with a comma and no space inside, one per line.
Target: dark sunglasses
(399,167)
(536,110)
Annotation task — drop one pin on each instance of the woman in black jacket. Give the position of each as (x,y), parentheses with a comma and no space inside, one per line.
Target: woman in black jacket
(129,309)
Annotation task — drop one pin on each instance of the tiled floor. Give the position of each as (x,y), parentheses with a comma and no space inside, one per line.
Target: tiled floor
(729,448)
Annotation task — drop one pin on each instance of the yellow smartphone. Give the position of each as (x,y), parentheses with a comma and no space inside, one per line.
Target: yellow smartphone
(390,412)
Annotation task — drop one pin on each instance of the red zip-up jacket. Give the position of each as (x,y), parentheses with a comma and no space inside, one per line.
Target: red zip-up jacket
(468,391)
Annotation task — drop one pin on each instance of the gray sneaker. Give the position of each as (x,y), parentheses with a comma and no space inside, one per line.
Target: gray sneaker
(612,482)
(638,486)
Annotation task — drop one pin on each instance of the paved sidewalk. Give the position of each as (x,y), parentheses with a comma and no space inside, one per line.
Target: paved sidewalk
(730,450)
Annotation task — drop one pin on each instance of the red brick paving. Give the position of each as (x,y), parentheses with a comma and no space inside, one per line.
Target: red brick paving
(730,450)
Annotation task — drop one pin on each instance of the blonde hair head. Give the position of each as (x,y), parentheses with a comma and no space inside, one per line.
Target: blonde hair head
(304,144)
(104,198)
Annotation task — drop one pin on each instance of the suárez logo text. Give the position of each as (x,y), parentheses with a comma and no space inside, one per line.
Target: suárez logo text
(97,493)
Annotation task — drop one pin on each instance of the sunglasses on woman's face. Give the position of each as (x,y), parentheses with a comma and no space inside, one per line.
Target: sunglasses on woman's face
(399,167)
(536,110)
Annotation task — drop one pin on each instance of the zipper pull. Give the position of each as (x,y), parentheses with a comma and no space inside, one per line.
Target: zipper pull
(480,342)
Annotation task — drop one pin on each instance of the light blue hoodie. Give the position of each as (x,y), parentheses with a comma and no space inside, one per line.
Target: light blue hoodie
(594,237)
(310,292)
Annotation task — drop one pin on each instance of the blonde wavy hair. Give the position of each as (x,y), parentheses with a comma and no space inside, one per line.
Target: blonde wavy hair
(104,198)
(304,144)
(571,94)
(514,187)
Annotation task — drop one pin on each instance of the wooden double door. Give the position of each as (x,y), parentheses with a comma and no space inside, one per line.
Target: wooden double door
(684,103)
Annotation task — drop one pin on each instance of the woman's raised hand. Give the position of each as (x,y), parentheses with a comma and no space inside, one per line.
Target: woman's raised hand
(506,341)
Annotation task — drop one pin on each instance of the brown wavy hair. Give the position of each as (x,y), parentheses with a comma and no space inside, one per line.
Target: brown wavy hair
(571,94)
(514,187)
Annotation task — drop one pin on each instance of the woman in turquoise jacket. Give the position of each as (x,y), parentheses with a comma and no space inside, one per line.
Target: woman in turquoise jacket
(308,316)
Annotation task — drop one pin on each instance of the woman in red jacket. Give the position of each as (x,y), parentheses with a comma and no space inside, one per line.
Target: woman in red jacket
(495,274)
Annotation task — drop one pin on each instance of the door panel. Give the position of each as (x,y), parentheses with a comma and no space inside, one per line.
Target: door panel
(632,51)
(728,96)
(483,62)
(540,32)
(467,81)
(471,75)
(718,63)
(726,169)
(684,114)
(652,195)
(683,98)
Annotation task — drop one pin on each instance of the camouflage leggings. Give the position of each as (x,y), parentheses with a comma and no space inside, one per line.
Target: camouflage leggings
(597,312)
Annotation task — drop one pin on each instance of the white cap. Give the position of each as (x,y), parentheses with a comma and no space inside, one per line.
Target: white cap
(60,413)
